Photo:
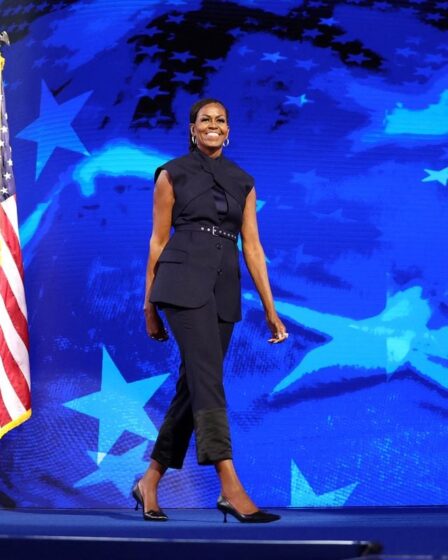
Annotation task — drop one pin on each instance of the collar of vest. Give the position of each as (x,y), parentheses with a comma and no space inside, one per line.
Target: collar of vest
(226,174)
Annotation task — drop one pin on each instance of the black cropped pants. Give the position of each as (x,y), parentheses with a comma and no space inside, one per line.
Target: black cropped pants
(199,403)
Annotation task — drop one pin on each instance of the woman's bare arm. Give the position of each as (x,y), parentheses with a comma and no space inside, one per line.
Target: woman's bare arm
(256,263)
(161,225)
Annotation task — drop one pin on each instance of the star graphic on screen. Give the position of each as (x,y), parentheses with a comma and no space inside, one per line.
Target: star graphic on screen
(406,52)
(151,93)
(185,77)
(359,58)
(425,71)
(434,17)
(175,19)
(328,21)
(182,56)
(149,51)
(244,50)
(413,40)
(119,405)
(309,178)
(312,33)
(435,58)
(306,64)
(39,62)
(381,5)
(302,494)
(120,470)
(273,57)
(53,129)
(299,100)
(433,175)
(216,64)
(398,335)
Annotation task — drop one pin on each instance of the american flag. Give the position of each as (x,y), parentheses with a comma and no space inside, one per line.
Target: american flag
(15,403)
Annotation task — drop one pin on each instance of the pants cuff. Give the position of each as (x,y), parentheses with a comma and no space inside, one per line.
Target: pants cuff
(212,436)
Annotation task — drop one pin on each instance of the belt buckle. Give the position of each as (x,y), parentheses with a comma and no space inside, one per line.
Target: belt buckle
(214,230)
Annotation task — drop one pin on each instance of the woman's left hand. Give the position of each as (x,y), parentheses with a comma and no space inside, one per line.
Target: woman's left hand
(277,328)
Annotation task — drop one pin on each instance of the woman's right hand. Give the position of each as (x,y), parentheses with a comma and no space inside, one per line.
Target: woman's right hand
(154,324)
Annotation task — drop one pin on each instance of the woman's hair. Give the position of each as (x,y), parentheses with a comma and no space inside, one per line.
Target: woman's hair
(195,108)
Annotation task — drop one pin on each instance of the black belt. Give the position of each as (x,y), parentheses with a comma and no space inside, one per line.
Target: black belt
(213,230)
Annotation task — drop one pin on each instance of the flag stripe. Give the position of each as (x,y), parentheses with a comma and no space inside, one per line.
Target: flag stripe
(10,208)
(5,417)
(13,404)
(12,276)
(15,357)
(11,239)
(17,317)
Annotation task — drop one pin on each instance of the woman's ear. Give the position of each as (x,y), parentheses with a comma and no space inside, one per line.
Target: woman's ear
(192,129)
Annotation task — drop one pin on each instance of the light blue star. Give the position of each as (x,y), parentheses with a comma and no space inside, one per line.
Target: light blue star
(244,50)
(119,406)
(302,495)
(298,100)
(406,52)
(52,129)
(121,470)
(433,175)
(398,335)
(273,57)
(308,179)
(185,77)
(183,56)
(307,64)
(357,58)
(328,21)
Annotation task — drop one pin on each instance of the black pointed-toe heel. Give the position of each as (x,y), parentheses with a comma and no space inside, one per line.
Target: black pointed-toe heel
(258,516)
(150,515)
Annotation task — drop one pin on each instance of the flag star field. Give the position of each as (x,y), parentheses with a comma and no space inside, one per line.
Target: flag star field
(339,109)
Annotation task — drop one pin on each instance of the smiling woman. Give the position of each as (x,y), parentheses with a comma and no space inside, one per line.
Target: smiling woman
(194,277)
(209,128)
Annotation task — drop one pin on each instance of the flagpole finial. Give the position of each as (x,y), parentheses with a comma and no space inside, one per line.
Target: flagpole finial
(4,39)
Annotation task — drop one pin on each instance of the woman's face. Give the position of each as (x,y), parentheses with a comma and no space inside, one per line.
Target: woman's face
(210,128)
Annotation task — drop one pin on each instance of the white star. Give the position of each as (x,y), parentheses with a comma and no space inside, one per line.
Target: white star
(7,176)
(4,129)
(4,190)
(9,162)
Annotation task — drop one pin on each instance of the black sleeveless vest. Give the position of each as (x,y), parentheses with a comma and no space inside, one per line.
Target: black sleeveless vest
(193,265)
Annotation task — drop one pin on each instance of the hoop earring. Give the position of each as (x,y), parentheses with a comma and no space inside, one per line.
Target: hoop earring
(226,143)
(193,140)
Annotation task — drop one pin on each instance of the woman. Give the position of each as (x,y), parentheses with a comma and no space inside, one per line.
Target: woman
(194,277)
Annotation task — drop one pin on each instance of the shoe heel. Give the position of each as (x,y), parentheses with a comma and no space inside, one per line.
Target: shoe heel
(136,505)
(225,516)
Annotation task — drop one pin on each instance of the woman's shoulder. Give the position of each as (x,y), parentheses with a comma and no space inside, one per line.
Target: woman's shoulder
(176,166)
(182,161)
(238,172)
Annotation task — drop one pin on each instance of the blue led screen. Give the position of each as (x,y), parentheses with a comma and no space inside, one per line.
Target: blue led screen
(340,112)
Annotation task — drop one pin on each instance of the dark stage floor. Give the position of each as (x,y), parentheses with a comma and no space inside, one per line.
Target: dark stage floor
(410,531)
